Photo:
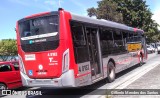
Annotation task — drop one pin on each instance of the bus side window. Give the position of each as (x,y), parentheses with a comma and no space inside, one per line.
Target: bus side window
(78,35)
(79,42)
(118,43)
(106,41)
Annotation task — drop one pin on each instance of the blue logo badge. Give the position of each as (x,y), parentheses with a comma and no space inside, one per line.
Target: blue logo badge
(31,42)
(30,72)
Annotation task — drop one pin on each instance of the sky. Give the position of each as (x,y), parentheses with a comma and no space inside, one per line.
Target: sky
(13,10)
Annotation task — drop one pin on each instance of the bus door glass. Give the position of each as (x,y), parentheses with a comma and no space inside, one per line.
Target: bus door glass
(94,53)
(144,47)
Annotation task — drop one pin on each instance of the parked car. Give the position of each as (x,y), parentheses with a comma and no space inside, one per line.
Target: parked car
(150,49)
(158,49)
(10,75)
(154,45)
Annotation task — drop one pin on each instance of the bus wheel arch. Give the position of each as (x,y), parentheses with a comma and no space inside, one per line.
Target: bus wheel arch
(111,74)
(3,86)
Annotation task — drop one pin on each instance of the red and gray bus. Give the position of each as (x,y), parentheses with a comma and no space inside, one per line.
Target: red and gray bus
(62,49)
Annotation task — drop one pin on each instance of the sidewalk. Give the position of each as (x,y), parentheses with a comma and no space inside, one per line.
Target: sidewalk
(150,80)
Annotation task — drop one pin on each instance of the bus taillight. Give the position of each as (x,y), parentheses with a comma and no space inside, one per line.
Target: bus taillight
(65,61)
(21,65)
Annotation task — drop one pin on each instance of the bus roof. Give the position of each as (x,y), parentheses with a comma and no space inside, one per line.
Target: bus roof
(103,22)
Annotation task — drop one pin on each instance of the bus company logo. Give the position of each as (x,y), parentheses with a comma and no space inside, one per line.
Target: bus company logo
(40,67)
(36,41)
(31,42)
(40,40)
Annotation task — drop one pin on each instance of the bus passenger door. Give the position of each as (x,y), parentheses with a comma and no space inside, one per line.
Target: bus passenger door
(144,47)
(94,52)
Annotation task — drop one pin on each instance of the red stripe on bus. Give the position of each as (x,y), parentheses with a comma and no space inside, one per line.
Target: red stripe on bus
(83,74)
(126,60)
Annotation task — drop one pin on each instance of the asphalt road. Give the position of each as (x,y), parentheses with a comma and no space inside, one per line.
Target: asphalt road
(123,80)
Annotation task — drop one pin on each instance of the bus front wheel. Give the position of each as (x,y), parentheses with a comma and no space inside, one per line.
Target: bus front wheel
(141,60)
(111,72)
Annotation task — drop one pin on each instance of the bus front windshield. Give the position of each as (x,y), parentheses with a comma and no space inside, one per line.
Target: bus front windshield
(134,39)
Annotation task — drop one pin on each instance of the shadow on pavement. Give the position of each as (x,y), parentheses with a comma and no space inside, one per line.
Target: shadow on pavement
(77,92)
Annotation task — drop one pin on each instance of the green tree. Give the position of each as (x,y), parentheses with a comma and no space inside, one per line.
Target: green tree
(134,13)
(8,49)
(106,10)
(137,14)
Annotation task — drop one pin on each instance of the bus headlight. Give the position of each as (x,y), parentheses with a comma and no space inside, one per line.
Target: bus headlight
(65,61)
(21,65)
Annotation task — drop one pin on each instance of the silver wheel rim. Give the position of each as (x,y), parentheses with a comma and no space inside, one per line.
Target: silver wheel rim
(111,74)
(140,59)
(2,87)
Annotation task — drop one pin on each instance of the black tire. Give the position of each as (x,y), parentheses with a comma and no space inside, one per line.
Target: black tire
(141,60)
(111,71)
(3,86)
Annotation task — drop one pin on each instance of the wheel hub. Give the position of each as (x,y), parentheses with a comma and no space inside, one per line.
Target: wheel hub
(2,87)
(111,72)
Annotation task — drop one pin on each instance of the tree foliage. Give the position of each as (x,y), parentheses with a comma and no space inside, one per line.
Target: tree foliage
(137,14)
(134,13)
(106,10)
(8,49)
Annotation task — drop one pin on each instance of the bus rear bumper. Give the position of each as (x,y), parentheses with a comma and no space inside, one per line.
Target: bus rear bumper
(66,80)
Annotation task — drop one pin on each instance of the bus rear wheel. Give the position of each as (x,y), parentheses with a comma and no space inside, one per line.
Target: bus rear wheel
(111,72)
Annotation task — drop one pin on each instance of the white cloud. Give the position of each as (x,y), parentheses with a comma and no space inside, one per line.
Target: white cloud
(50,2)
(156,16)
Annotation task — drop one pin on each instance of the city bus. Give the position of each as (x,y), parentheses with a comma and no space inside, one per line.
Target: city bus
(62,49)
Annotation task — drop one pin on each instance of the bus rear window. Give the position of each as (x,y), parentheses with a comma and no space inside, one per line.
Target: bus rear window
(39,34)
(38,26)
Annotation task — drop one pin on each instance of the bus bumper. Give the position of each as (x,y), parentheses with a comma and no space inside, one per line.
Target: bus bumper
(66,80)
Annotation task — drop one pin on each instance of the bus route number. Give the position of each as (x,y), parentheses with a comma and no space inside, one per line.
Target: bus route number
(83,68)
